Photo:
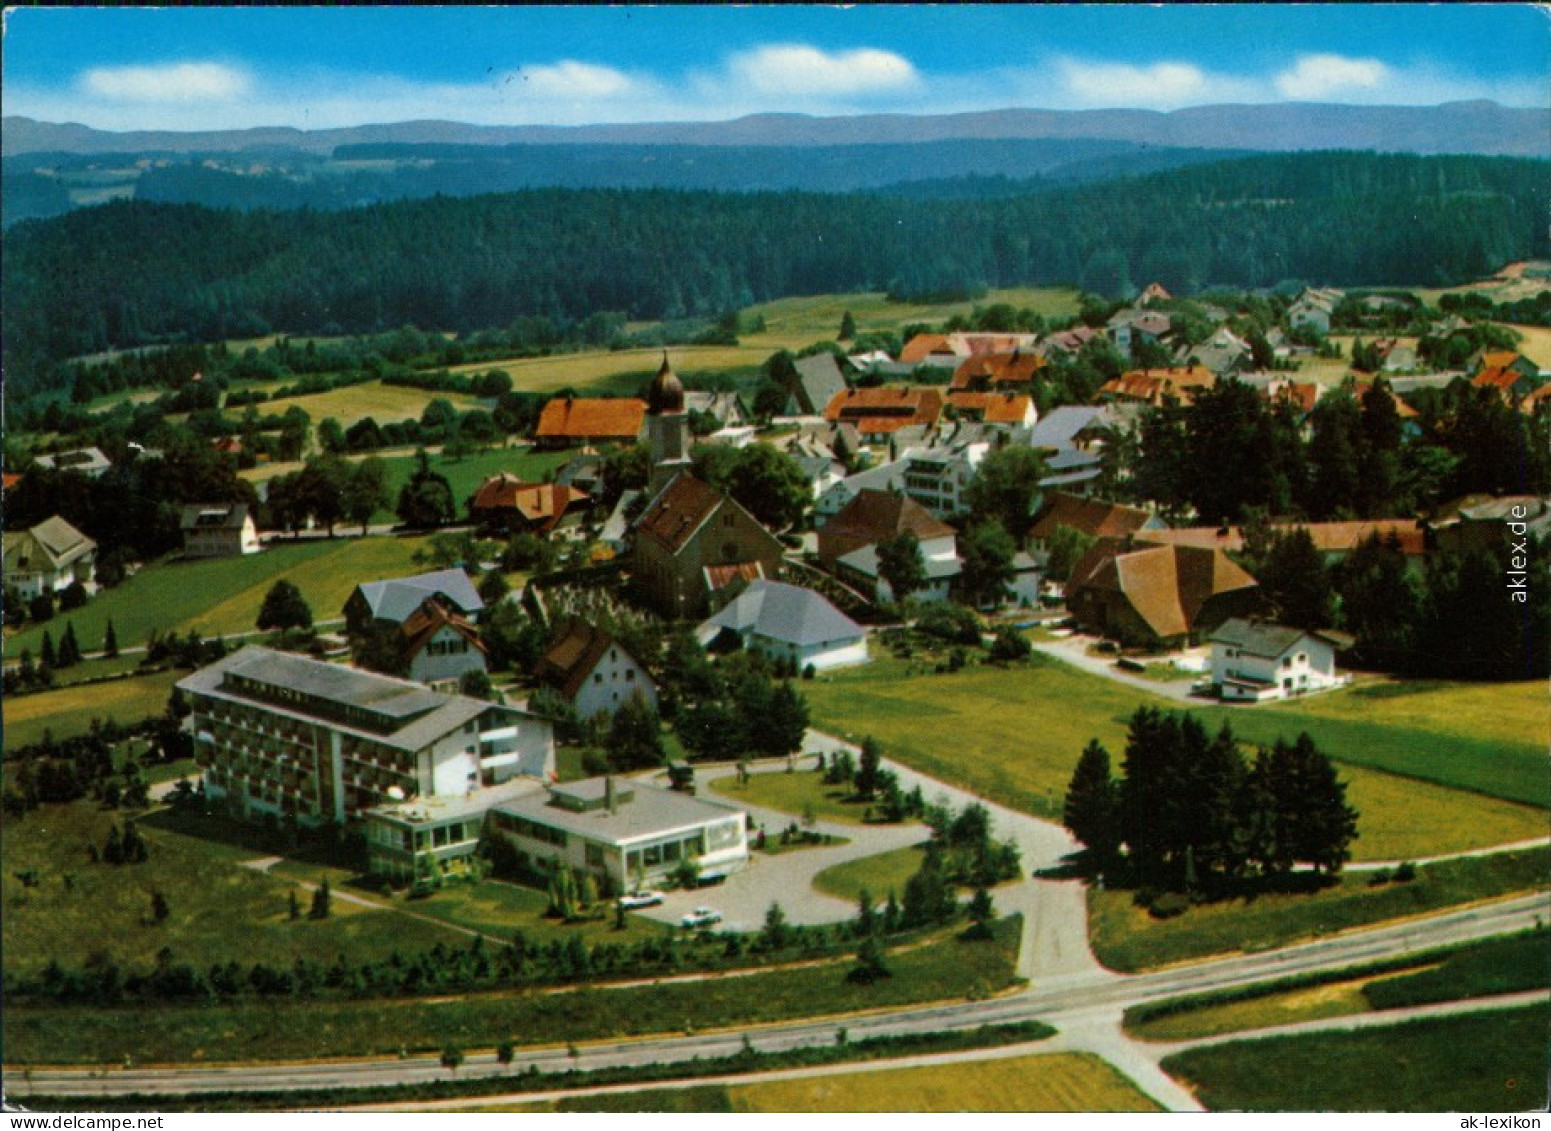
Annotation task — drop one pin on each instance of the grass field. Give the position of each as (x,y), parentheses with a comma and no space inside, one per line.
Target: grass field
(797,794)
(69,711)
(1480,1062)
(384,403)
(1013,736)
(876,875)
(1126,938)
(625,372)
(1536,344)
(223,595)
(946,969)
(220,911)
(792,323)
(1495,966)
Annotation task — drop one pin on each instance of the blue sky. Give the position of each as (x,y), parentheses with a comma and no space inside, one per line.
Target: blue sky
(182,68)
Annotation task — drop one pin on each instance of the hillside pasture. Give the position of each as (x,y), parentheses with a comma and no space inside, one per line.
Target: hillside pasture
(68,711)
(384,403)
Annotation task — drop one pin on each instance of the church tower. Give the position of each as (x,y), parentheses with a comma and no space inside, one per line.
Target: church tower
(667,428)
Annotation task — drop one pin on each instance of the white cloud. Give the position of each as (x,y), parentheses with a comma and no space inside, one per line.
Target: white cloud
(170,82)
(1165,85)
(1316,77)
(797,69)
(571,79)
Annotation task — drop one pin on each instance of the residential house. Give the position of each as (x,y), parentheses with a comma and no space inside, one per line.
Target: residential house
(1153,294)
(790,625)
(1394,355)
(439,646)
(576,421)
(1490,523)
(48,558)
(1312,310)
(887,477)
(691,542)
(728,408)
(1154,596)
(1072,426)
(1514,377)
(90,462)
(281,736)
(1255,661)
(848,542)
(877,412)
(1068,343)
(627,833)
(1223,353)
(505,503)
(594,672)
(1013,412)
(816,382)
(1072,470)
(583,473)
(1333,540)
(998,372)
(1158,386)
(1131,327)
(218,530)
(938,477)
(1094,518)
(395,600)
(949,349)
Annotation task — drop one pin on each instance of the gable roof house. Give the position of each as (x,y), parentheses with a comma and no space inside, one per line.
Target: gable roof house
(1095,518)
(880,411)
(691,543)
(218,530)
(998,372)
(395,600)
(888,477)
(90,462)
(1068,342)
(1157,596)
(1334,540)
(1312,310)
(504,502)
(1256,660)
(1130,328)
(439,647)
(595,673)
(1013,412)
(848,543)
(1223,353)
(1156,386)
(571,421)
(790,624)
(47,558)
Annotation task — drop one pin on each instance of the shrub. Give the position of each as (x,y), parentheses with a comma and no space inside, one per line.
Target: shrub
(1169,905)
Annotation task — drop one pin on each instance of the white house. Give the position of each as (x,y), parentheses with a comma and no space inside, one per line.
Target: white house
(218,530)
(789,623)
(90,462)
(595,673)
(49,558)
(1255,660)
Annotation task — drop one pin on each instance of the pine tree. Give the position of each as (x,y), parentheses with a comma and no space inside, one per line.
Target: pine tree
(1092,809)
(69,647)
(295,906)
(109,642)
(46,655)
(867,768)
(870,966)
(159,908)
(847,327)
(320,901)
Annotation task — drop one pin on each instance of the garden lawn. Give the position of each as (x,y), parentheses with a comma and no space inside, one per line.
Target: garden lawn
(68,711)
(168,594)
(1126,938)
(876,875)
(1013,735)
(220,911)
(266,1030)
(1055,1082)
(797,793)
(1479,1062)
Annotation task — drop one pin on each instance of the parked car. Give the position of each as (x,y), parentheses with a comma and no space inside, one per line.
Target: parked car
(701,917)
(632,900)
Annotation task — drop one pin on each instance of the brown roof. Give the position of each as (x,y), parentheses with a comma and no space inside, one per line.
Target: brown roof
(11,480)
(429,619)
(1153,385)
(875,516)
(1530,403)
(1093,517)
(1497,377)
(675,514)
(1016,368)
(922,346)
(574,654)
(541,504)
(1167,586)
(1328,537)
(718,577)
(884,404)
(1499,359)
(592,418)
(993,408)
(1301,395)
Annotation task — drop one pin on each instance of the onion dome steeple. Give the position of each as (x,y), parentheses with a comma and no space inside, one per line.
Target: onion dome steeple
(667,391)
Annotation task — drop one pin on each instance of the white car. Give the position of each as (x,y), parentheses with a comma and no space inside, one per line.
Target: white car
(632,900)
(701,917)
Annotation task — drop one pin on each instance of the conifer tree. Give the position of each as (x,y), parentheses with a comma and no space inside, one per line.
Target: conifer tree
(109,642)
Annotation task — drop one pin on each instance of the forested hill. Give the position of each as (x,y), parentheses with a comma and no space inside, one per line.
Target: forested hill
(129,273)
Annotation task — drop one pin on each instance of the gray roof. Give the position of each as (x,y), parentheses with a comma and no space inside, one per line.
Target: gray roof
(1057,428)
(398,598)
(214,516)
(411,715)
(787,613)
(1262,638)
(819,379)
(1068,478)
(865,560)
(651,812)
(1071,459)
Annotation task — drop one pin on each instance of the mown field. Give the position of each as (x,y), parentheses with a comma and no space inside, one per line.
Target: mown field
(1479,1062)
(1125,937)
(68,711)
(941,970)
(798,794)
(876,875)
(223,596)
(1013,735)
(384,403)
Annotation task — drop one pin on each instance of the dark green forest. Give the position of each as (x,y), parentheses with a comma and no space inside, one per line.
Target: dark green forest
(131,273)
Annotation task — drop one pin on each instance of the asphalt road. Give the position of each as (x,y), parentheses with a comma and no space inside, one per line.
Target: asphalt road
(1082,1005)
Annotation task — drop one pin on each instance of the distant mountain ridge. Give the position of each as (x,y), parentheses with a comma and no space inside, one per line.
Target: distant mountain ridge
(1479,127)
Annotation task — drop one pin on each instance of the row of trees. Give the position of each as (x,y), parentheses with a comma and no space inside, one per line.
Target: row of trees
(1188,813)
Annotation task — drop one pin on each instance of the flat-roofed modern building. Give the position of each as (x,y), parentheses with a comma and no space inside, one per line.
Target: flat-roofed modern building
(289,737)
(630,832)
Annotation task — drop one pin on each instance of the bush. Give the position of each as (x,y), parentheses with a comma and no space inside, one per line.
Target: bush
(951,623)
(1405,873)
(1169,905)
(1010,646)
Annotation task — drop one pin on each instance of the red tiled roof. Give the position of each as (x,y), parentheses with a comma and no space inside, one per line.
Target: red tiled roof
(591,418)
(675,514)
(1167,586)
(1301,395)
(718,577)
(923,346)
(573,656)
(874,516)
(229,445)
(892,402)
(993,408)
(540,504)
(11,480)
(1497,377)
(1016,368)
(1499,359)
(429,619)
(1328,537)
(1154,385)
(1093,517)
(1530,403)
